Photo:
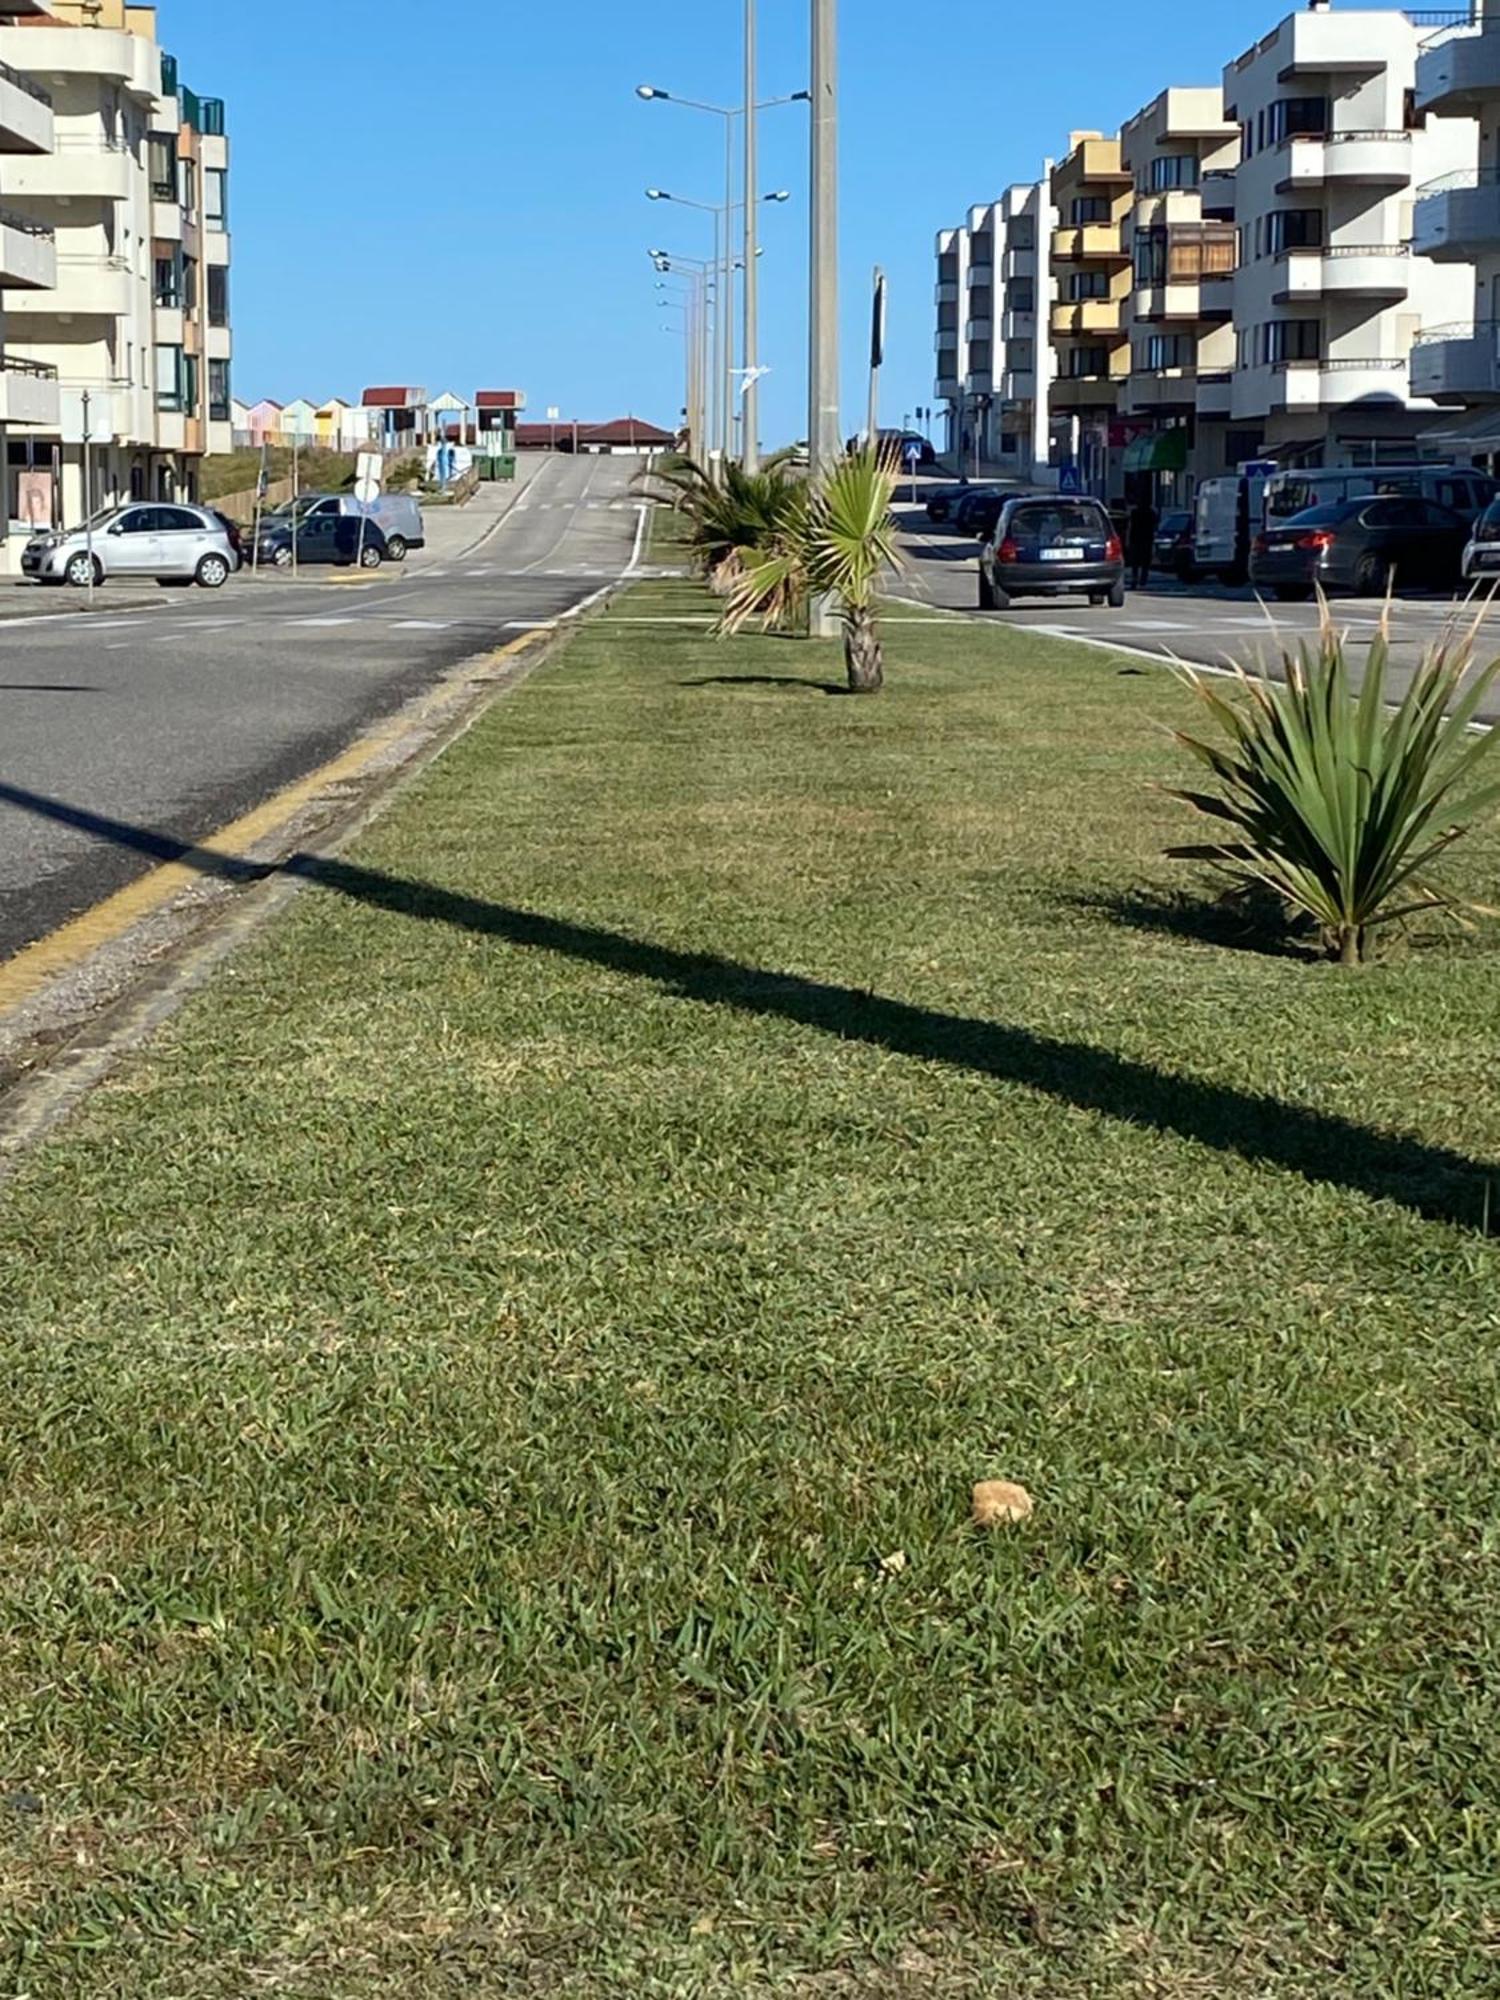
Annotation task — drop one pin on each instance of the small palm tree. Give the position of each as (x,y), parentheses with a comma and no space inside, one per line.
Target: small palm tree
(1339,804)
(838,541)
(725,512)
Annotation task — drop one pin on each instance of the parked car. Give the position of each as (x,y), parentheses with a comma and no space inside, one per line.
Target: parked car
(235,535)
(321,537)
(941,503)
(169,543)
(397,515)
(1045,545)
(1481,558)
(978,511)
(1172,549)
(1363,545)
(896,444)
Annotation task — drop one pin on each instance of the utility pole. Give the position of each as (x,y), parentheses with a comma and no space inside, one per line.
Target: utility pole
(88,489)
(728,281)
(823,441)
(750,404)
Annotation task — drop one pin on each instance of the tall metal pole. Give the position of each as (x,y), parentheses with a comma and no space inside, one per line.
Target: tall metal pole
(823,316)
(728,302)
(721,233)
(88,488)
(750,400)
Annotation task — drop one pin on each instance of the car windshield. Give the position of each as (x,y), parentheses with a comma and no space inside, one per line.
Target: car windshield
(1052,523)
(1321,517)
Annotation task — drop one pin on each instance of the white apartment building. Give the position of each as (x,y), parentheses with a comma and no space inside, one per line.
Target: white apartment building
(1328,299)
(136,324)
(28,263)
(1180,151)
(1458,224)
(994,360)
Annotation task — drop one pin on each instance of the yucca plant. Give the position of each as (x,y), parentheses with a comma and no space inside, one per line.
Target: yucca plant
(726,511)
(837,541)
(1339,803)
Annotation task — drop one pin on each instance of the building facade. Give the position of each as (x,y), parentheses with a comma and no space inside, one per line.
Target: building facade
(993,361)
(1457,223)
(136,326)
(29,393)
(1088,327)
(1180,152)
(1328,299)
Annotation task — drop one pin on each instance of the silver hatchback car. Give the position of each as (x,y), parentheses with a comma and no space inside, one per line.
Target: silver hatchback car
(166,540)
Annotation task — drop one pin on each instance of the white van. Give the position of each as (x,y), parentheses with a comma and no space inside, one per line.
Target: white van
(1459,488)
(1228,516)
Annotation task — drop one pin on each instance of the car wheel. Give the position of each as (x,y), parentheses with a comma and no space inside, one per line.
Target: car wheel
(986,590)
(83,569)
(395,548)
(282,559)
(1116,599)
(1372,576)
(370,557)
(212,573)
(1292,593)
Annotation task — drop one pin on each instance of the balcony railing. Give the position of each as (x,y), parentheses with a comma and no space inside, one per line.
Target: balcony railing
(1343,364)
(22,82)
(23,223)
(1461,182)
(39,371)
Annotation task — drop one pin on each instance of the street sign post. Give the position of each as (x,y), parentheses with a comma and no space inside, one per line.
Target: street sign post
(1070,480)
(369,469)
(913,456)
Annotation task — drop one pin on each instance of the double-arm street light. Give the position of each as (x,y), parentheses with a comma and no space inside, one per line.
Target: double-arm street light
(699,275)
(725,264)
(748,111)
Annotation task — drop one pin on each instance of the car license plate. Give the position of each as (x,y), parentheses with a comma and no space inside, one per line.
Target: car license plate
(1060,555)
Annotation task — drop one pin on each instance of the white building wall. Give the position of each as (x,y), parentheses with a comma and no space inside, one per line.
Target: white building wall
(1350,394)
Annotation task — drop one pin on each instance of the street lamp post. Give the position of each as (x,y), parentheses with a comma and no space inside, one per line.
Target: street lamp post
(750,402)
(823,279)
(698,272)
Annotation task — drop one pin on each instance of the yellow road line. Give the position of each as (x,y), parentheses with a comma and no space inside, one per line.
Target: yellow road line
(66,948)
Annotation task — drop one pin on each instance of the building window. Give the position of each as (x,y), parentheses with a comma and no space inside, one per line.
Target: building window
(218,392)
(1293,340)
(215,198)
(1164,350)
(1021,355)
(1022,297)
(1090,208)
(1173,170)
(1021,234)
(168,278)
(163,167)
(1293,229)
(169,377)
(218,295)
(190,190)
(1297,117)
(1086,361)
(1151,257)
(1088,285)
(190,286)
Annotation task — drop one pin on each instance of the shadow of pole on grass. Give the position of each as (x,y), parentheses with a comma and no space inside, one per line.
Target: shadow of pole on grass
(1429,1180)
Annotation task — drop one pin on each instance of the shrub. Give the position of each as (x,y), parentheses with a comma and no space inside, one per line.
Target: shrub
(1340,804)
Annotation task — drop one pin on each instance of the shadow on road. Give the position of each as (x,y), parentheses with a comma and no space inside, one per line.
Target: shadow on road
(1429,1180)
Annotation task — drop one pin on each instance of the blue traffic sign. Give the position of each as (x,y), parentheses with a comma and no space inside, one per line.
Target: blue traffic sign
(1070,480)
(913,452)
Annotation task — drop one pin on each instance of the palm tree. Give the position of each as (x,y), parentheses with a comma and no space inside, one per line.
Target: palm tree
(837,542)
(727,512)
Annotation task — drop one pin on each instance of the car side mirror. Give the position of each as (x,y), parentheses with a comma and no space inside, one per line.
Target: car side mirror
(118,528)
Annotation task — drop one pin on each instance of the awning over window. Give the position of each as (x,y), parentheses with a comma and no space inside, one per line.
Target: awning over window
(1157,451)
(1463,431)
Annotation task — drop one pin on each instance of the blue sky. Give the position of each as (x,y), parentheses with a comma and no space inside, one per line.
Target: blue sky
(465,209)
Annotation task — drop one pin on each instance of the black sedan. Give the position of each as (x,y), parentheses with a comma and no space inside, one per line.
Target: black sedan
(977,512)
(942,501)
(345,539)
(1363,546)
(1172,550)
(1045,545)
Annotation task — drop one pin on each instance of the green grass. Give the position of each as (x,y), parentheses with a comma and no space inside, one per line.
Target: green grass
(237,471)
(464,1386)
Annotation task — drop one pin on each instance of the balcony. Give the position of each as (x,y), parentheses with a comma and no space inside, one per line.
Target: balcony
(1458,216)
(25,114)
(82,167)
(1458,71)
(979,329)
(1218,192)
(85,288)
(945,293)
(28,255)
(112,54)
(1085,316)
(1325,384)
(1215,393)
(1085,392)
(1180,300)
(1018,385)
(1344,271)
(1162,389)
(946,387)
(1457,364)
(28,393)
(945,340)
(1216,295)
(1340,159)
(1088,239)
(981,273)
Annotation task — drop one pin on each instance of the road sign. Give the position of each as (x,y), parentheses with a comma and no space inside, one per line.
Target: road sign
(554,413)
(913,453)
(1070,480)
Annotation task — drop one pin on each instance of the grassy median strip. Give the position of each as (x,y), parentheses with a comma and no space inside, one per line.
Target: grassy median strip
(492,1396)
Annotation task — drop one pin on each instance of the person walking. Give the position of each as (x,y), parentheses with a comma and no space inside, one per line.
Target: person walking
(1140,541)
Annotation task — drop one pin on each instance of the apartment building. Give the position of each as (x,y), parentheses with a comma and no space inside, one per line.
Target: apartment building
(1458,223)
(1180,152)
(1328,299)
(136,324)
(993,366)
(28,264)
(1089,342)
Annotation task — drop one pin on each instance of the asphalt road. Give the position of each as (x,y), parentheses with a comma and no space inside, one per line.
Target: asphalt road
(1204,623)
(183,716)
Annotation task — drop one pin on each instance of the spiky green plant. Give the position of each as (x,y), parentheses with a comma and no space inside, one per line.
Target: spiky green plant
(726,510)
(1339,803)
(838,541)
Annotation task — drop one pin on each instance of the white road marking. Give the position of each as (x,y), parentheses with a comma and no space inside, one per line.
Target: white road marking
(479,572)
(1160,625)
(420,625)
(321,622)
